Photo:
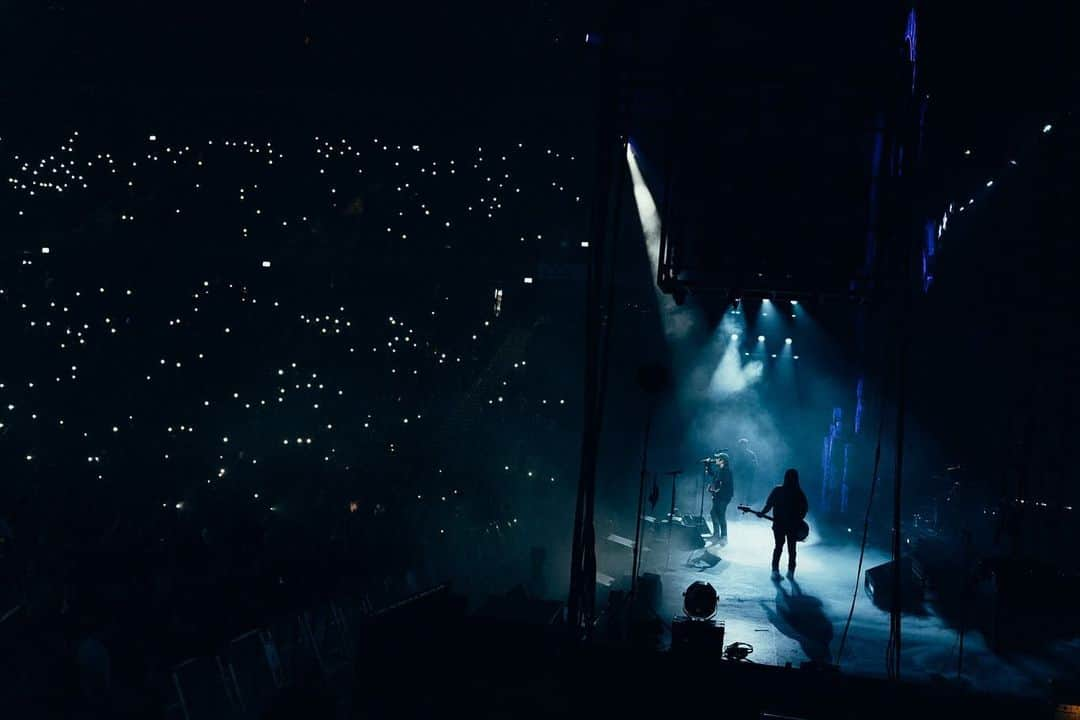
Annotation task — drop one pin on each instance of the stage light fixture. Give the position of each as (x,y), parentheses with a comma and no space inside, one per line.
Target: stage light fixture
(796,357)
(794,302)
(700,600)
(761,338)
(787,341)
(734,336)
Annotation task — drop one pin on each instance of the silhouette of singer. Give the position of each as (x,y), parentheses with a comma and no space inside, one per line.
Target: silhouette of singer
(722,489)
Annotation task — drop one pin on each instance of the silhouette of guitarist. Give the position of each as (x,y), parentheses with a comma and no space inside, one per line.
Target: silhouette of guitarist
(789,505)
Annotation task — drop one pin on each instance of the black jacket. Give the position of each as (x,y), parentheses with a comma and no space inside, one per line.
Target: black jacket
(723,483)
(789,506)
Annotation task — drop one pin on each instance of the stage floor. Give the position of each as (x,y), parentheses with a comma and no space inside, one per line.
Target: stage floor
(793,622)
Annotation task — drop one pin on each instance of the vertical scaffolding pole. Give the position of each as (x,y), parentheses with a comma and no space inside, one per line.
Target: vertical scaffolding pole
(906,166)
(583,553)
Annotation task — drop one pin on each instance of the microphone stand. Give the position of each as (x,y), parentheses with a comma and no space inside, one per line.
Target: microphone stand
(704,474)
(671,515)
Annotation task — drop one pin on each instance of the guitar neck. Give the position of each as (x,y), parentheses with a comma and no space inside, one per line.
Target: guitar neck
(760,514)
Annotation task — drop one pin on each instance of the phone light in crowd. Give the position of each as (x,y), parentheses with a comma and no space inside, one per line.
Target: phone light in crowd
(794,302)
(795,357)
(45,251)
(528,281)
(1047,128)
(266,263)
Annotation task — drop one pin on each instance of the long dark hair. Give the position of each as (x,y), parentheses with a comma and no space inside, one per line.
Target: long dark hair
(791,478)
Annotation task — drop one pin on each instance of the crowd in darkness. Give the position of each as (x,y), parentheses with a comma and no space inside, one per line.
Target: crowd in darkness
(242,375)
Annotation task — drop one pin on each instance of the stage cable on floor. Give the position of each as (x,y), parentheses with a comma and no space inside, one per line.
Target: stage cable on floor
(866,527)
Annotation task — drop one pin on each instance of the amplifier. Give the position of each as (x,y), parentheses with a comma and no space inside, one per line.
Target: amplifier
(878,582)
(692,635)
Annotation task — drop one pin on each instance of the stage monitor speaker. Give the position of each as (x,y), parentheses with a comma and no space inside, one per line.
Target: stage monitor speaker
(878,582)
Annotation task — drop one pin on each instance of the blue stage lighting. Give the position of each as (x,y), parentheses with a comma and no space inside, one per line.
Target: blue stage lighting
(787,341)
(761,338)
(734,336)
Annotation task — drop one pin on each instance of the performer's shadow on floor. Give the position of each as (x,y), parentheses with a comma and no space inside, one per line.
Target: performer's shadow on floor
(802,618)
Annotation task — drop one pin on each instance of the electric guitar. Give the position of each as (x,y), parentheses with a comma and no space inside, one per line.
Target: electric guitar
(800,531)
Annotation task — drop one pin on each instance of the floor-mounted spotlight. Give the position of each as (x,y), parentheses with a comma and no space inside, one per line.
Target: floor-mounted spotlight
(696,630)
(700,601)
